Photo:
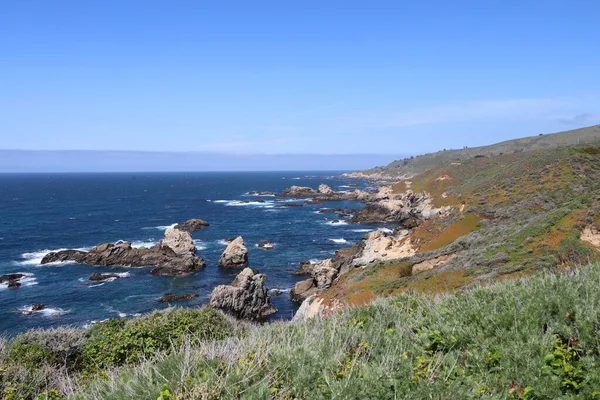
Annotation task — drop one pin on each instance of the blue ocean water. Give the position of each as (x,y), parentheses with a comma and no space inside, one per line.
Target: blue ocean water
(45,212)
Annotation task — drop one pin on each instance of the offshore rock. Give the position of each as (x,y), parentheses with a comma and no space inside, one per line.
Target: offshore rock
(246,298)
(192,225)
(181,259)
(171,297)
(235,255)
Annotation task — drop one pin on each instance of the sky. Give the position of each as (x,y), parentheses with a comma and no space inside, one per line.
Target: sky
(280,77)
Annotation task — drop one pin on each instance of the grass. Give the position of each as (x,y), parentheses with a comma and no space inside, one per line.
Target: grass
(535,338)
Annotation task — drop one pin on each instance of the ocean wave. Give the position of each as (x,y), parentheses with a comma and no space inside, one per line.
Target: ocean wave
(46,312)
(35,257)
(259,204)
(27,280)
(165,227)
(338,241)
(144,243)
(362,230)
(314,261)
(200,245)
(221,201)
(223,242)
(339,222)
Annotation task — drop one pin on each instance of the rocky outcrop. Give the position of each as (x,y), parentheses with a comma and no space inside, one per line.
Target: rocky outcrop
(298,192)
(171,297)
(235,255)
(408,209)
(310,308)
(306,268)
(179,241)
(302,290)
(103,277)
(181,259)
(192,225)
(325,189)
(246,298)
(14,284)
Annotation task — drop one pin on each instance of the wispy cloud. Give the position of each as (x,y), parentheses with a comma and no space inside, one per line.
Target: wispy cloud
(472,111)
(577,119)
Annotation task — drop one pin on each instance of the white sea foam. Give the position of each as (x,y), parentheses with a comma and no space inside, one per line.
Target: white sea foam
(338,241)
(260,204)
(385,230)
(27,280)
(165,227)
(223,242)
(362,230)
(339,222)
(314,261)
(221,201)
(200,245)
(144,243)
(35,257)
(46,312)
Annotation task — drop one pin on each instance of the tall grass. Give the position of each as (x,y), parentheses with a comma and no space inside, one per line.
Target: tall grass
(536,338)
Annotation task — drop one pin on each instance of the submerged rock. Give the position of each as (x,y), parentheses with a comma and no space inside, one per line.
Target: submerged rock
(10,277)
(175,255)
(246,298)
(266,244)
(235,255)
(171,297)
(14,284)
(192,225)
(103,277)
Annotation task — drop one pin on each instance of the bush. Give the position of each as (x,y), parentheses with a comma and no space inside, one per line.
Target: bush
(120,341)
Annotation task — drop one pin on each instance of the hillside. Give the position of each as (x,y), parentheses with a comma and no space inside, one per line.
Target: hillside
(500,217)
(409,167)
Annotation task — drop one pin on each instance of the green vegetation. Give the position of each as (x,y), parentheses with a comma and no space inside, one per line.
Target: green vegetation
(536,338)
(44,363)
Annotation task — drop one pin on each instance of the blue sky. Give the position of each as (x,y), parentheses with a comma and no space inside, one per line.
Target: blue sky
(321,77)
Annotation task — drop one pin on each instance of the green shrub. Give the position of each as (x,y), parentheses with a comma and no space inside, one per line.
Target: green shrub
(120,341)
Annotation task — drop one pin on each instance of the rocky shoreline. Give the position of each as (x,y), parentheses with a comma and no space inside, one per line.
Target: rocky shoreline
(248,297)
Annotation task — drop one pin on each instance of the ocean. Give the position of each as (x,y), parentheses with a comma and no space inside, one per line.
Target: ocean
(40,213)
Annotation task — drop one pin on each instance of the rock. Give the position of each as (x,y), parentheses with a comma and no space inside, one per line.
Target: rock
(325,189)
(335,221)
(14,284)
(306,268)
(192,225)
(228,240)
(10,277)
(37,307)
(290,205)
(310,308)
(179,241)
(302,290)
(102,277)
(266,244)
(275,292)
(246,298)
(255,193)
(298,192)
(235,255)
(171,297)
(174,256)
